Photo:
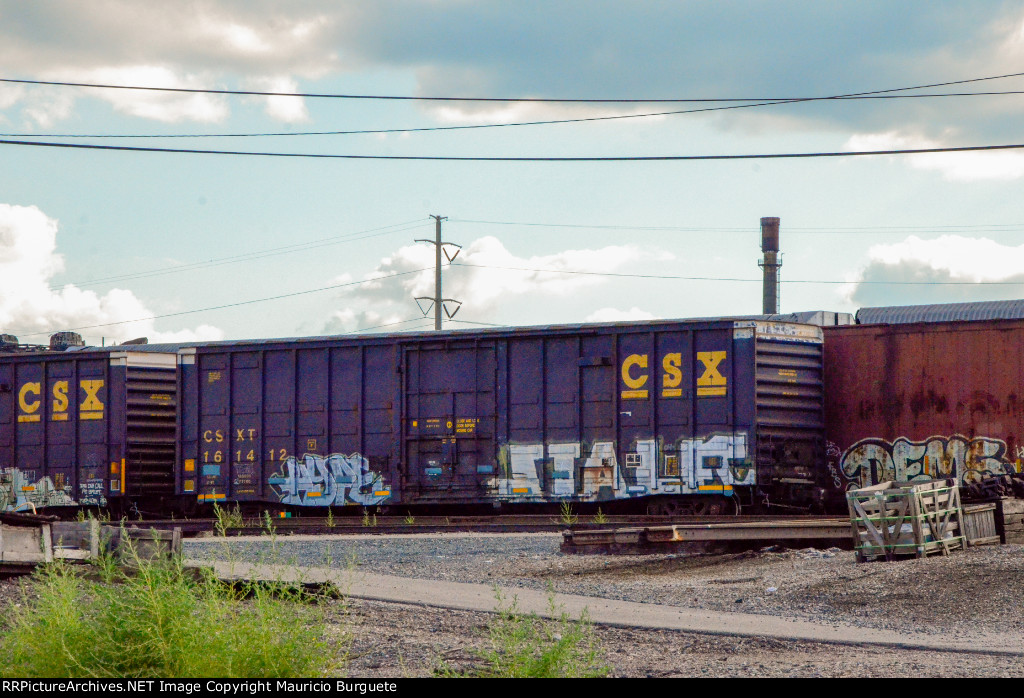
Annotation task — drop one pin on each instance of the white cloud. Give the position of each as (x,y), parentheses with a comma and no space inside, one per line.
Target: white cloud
(965,259)
(484,277)
(963,167)
(616,315)
(160,106)
(948,268)
(193,45)
(287,109)
(29,307)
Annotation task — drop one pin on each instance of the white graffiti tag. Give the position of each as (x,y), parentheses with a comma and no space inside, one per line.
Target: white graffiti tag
(320,481)
(871,461)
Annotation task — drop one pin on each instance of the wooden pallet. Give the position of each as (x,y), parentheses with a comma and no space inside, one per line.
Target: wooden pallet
(28,541)
(980,524)
(1013,519)
(895,519)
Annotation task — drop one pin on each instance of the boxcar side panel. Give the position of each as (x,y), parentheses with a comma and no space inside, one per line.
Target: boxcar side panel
(64,431)
(590,413)
(924,401)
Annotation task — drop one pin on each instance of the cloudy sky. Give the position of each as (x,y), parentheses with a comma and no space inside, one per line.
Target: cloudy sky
(181,246)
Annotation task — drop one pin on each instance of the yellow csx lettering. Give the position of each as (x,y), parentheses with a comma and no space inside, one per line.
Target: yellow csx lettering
(710,383)
(240,434)
(634,383)
(29,404)
(672,379)
(92,406)
(30,398)
(209,436)
(60,396)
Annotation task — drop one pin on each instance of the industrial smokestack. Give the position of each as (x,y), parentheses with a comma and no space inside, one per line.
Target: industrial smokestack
(770,265)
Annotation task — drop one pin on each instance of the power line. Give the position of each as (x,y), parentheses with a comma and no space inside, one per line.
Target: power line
(230,305)
(732,279)
(476,322)
(853,230)
(412,98)
(543,122)
(454,158)
(251,256)
(386,324)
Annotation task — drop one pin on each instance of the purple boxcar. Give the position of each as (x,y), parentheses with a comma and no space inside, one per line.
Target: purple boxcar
(93,427)
(685,414)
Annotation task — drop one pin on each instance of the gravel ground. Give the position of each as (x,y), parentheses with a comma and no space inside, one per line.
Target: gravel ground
(968,593)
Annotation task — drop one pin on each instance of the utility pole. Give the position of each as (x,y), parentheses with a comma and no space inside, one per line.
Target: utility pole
(438,301)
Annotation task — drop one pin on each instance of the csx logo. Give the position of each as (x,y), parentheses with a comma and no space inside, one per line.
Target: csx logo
(30,398)
(710,383)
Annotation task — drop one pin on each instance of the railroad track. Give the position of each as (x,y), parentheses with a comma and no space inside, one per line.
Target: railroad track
(677,535)
(388,525)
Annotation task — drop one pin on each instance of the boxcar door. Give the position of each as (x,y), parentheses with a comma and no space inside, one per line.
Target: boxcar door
(449,420)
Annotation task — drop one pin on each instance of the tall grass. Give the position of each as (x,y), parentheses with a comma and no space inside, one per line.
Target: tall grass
(158,618)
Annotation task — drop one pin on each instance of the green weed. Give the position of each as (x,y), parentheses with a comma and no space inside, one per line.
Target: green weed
(527,646)
(268,523)
(227,519)
(567,515)
(157,618)
(600,518)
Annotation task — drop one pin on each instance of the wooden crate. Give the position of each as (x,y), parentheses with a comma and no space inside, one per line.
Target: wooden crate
(1013,519)
(980,524)
(906,518)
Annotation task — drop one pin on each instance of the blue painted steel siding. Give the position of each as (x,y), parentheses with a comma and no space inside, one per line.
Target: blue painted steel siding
(291,424)
(587,413)
(62,430)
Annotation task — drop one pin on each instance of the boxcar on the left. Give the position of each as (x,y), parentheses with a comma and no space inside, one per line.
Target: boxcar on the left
(87,427)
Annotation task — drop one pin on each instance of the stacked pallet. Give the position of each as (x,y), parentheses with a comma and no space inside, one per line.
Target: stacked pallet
(1013,519)
(906,518)
(27,540)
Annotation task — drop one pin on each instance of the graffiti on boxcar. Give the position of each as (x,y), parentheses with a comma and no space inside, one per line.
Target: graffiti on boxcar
(833,455)
(594,472)
(23,491)
(332,480)
(871,461)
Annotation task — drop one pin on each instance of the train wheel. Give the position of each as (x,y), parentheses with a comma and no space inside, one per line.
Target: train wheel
(694,506)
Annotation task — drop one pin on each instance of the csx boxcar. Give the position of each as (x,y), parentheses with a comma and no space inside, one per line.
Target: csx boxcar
(93,427)
(687,414)
(924,401)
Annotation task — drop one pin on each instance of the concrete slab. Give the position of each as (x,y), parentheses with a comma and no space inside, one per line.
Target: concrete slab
(482,597)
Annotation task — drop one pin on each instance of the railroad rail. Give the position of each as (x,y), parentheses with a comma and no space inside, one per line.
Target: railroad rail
(664,538)
(388,525)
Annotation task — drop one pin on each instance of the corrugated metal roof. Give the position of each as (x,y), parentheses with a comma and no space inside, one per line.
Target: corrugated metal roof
(944,312)
(821,318)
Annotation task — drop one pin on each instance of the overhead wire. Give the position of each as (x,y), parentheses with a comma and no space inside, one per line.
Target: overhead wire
(251,256)
(419,98)
(464,127)
(853,230)
(758,102)
(386,324)
(735,279)
(552,159)
(231,305)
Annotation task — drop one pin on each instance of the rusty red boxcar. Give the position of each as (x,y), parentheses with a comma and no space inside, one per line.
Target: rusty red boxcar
(94,427)
(684,414)
(924,401)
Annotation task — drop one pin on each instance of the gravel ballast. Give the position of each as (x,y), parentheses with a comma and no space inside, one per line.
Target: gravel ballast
(969,593)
